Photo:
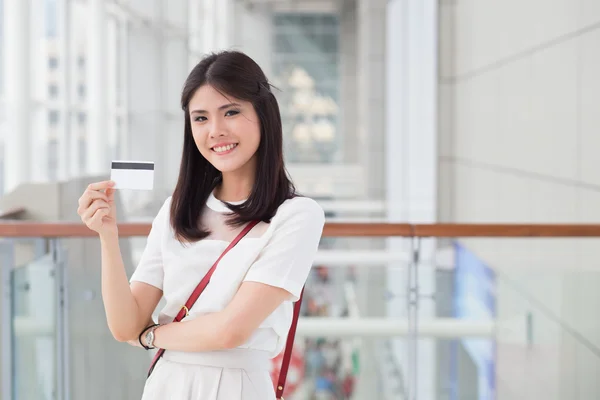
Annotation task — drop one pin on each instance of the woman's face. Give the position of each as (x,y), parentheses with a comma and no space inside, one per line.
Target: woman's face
(225,130)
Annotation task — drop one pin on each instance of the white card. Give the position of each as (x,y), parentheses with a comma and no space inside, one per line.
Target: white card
(137,175)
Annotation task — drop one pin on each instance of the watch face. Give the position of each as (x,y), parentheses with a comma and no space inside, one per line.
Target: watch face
(149,338)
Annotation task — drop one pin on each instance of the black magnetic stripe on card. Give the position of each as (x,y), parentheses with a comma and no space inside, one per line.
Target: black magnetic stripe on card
(130,165)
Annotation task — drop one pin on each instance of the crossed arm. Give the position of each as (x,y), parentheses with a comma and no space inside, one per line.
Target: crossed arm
(225,329)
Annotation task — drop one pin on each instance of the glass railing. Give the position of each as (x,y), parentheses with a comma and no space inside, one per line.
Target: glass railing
(32,345)
(539,294)
(391,311)
(34,323)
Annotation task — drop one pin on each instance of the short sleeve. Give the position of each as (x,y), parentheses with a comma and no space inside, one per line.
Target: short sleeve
(287,258)
(150,268)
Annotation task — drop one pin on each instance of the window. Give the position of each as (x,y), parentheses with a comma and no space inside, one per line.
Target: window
(52,62)
(53,91)
(53,117)
(81,90)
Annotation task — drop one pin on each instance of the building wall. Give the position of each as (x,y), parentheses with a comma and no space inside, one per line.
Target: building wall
(518,131)
(253,34)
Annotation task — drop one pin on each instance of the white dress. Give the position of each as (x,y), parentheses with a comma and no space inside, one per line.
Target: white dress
(279,254)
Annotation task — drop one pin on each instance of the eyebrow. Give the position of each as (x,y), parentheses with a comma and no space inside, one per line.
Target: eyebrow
(220,108)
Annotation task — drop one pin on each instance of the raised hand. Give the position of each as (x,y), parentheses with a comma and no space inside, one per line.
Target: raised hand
(97,208)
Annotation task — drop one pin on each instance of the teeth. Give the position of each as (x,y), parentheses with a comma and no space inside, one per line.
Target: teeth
(221,149)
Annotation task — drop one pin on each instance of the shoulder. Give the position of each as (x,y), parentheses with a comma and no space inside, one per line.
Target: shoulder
(301,205)
(166,207)
(164,213)
(302,210)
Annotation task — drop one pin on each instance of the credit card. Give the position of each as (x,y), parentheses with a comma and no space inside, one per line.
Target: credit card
(135,175)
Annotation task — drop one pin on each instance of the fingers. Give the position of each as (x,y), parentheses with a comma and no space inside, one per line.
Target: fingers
(96,219)
(88,197)
(95,191)
(101,185)
(96,205)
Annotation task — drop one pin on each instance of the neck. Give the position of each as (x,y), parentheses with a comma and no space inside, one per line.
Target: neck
(235,187)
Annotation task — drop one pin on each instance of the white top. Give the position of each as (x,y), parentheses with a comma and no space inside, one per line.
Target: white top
(279,254)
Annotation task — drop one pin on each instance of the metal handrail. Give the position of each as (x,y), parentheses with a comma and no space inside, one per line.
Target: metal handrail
(332,229)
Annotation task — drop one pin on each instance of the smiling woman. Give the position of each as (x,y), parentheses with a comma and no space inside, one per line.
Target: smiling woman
(227,101)
(233,196)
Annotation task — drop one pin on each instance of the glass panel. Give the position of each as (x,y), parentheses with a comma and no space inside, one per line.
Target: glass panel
(34,351)
(348,283)
(521,322)
(531,301)
(339,368)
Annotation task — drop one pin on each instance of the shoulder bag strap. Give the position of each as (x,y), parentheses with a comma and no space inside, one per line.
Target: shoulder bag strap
(183,312)
(287,355)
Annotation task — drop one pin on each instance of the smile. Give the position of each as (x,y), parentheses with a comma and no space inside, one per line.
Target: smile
(224,149)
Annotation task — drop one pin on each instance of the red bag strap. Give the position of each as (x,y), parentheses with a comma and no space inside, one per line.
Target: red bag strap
(287,355)
(183,312)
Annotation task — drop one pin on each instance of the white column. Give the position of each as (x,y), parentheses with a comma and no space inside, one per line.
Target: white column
(145,64)
(64,88)
(40,125)
(97,161)
(209,22)
(112,69)
(411,161)
(224,17)
(194,33)
(124,134)
(161,17)
(175,69)
(231,22)
(78,16)
(17,144)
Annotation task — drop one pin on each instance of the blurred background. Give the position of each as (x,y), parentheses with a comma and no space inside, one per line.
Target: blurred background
(411,111)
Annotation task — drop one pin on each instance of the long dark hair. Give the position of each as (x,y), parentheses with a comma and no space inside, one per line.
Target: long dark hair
(235,74)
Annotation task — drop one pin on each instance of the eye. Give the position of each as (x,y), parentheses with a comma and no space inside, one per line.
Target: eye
(231,113)
(199,118)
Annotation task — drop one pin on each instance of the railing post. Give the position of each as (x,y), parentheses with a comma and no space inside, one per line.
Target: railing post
(413,315)
(7,258)
(62,322)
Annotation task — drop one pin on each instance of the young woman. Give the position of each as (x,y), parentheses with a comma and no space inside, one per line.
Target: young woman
(232,173)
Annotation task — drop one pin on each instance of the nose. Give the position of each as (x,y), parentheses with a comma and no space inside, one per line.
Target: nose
(218,128)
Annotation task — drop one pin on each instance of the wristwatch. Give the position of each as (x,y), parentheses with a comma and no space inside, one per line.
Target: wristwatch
(150,337)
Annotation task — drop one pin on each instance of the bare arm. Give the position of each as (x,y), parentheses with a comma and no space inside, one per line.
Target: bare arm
(226,329)
(128,308)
